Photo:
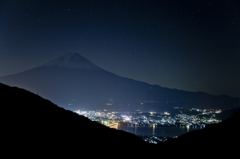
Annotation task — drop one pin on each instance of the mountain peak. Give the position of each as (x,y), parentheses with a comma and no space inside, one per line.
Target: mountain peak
(72,60)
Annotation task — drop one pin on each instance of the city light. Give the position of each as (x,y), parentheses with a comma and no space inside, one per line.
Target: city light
(166,113)
(152,119)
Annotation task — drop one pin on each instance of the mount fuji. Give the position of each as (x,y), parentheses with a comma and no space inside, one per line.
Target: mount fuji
(73,82)
(72,61)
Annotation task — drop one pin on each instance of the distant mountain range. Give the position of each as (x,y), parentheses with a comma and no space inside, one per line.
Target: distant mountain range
(73,82)
(33,126)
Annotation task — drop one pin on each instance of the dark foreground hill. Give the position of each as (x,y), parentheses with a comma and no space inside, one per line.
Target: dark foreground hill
(32,126)
(214,141)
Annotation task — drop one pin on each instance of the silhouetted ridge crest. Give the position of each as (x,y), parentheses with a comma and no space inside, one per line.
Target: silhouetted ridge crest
(72,60)
(33,124)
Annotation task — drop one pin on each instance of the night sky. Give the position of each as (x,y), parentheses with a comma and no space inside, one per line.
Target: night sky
(183,44)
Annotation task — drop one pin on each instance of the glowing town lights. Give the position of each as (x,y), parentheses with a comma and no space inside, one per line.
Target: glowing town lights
(113,125)
(127,118)
(108,119)
(166,113)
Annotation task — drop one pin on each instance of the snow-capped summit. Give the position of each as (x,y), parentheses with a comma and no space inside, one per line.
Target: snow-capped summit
(72,60)
(73,82)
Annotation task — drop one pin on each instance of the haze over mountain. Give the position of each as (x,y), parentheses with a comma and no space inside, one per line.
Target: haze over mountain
(73,82)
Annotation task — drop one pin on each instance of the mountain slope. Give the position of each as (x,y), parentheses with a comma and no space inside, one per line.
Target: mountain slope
(73,82)
(214,141)
(33,125)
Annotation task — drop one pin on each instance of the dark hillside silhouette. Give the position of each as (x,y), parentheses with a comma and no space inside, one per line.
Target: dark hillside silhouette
(32,126)
(216,139)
